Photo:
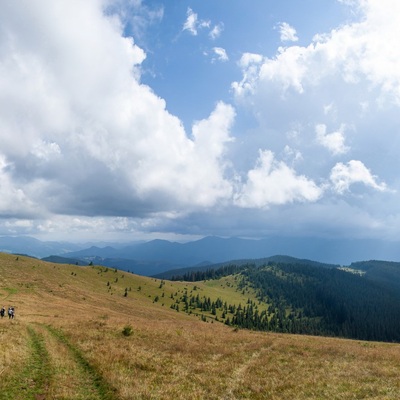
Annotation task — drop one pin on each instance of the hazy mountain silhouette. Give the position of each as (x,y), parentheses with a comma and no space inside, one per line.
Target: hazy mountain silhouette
(156,256)
(212,250)
(34,247)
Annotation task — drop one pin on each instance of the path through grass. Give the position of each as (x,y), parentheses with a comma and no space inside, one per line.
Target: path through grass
(33,379)
(89,380)
(56,369)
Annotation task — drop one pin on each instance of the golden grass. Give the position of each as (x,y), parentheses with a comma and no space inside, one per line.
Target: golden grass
(170,355)
(14,350)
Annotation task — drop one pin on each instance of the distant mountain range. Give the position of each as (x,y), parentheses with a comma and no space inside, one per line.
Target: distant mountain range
(157,256)
(183,273)
(39,249)
(34,247)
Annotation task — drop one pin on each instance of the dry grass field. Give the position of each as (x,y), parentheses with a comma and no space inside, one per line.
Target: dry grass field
(77,336)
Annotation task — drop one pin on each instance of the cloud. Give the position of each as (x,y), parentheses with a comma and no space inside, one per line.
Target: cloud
(345,175)
(86,146)
(135,16)
(250,64)
(82,136)
(216,31)
(273,182)
(334,142)
(347,78)
(287,32)
(354,52)
(292,154)
(191,173)
(193,24)
(221,54)
(286,70)
(330,101)
(14,201)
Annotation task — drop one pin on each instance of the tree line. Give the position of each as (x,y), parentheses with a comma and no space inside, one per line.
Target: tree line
(299,298)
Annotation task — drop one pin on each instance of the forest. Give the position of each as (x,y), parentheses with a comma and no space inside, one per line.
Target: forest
(304,299)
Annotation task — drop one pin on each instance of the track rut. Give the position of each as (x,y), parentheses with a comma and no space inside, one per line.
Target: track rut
(56,369)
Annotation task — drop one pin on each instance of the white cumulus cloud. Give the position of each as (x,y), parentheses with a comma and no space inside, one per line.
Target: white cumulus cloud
(361,50)
(79,132)
(349,79)
(345,175)
(273,182)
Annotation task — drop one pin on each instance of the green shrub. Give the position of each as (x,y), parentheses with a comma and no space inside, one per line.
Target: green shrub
(127,331)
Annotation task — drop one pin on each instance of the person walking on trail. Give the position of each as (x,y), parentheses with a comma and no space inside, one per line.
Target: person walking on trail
(10,312)
(2,312)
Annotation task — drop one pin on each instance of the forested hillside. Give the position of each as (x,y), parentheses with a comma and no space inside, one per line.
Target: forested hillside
(386,273)
(211,271)
(307,299)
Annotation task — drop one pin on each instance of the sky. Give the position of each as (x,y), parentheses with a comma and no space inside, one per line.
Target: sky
(134,120)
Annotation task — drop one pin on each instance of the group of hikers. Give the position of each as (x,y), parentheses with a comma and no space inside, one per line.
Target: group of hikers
(10,312)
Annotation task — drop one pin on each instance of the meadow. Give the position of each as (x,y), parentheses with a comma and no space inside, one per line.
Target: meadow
(100,333)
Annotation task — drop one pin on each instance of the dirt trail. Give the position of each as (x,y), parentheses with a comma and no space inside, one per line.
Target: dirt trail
(238,377)
(55,369)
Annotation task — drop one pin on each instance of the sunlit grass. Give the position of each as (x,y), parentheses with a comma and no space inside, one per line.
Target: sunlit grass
(168,355)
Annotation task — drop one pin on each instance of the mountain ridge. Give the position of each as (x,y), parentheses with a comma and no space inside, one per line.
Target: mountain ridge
(161,255)
(213,250)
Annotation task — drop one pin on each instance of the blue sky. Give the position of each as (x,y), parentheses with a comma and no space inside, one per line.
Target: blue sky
(182,65)
(129,119)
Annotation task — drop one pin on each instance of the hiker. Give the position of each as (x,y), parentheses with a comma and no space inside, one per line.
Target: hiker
(10,312)
(2,312)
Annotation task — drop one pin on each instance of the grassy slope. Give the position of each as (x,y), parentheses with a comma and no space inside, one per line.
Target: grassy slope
(67,343)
